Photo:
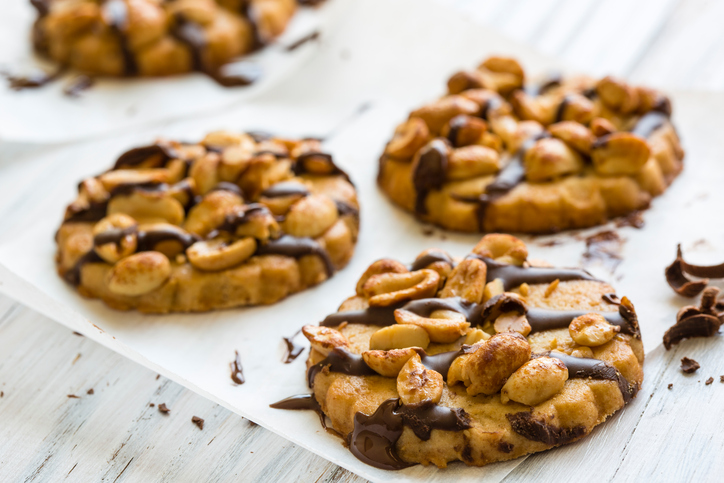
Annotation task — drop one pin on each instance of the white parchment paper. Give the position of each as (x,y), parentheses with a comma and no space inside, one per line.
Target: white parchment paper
(388,63)
(45,115)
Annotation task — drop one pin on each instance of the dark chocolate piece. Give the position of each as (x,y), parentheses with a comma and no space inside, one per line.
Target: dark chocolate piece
(526,425)
(505,447)
(90,392)
(634,219)
(649,123)
(429,171)
(237,371)
(163,408)
(136,156)
(689,365)
(237,74)
(691,321)
(198,422)
(709,381)
(73,396)
(670,386)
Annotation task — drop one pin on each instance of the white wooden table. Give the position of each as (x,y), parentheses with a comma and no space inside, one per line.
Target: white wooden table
(53,429)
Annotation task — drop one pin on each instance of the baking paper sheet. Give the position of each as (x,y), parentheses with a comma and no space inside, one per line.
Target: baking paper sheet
(195,350)
(45,115)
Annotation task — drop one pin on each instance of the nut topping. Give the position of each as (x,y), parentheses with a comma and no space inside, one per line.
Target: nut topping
(535,381)
(592,330)
(399,337)
(416,384)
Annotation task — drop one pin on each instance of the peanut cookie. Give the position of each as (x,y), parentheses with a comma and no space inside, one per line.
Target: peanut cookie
(479,360)
(237,219)
(157,37)
(495,154)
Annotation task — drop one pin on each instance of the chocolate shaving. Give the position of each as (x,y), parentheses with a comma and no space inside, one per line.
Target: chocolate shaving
(675,275)
(73,396)
(709,381)
(689,365)
(198,422)
(237,372)
(163,408)
(691,321)
(534,429)
(90,392)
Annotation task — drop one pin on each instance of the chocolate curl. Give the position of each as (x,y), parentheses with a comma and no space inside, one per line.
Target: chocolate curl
(702,321)
(680,283)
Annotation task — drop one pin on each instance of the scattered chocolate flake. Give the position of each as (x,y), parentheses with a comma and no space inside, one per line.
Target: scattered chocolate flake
(73,396)
(198,422)
(307,38)
(2,394)
(633,219)
(689,365)
(505,447)
(676,275)
(550,243)
(157,376)
(428,231)
(293,350)
(691,321)
(163,408)
(78,85)
(237,372)
(709,381)
(152,405)
(604,248)
(671,386)
(78,334)
(721,378)
(90,392)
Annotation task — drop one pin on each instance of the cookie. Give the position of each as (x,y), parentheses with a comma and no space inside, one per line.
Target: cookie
(483,359)
(497,154)
(237,219)
(157,37)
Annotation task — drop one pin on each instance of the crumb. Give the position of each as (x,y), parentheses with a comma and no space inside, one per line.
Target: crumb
(670,386)
(73,396)
(709,381)
(2,394)
(198,422)
(157,376)
(689,365)
(721,378)
(90,391)
(76,359)
(152,405)
(163,408)
(78,334)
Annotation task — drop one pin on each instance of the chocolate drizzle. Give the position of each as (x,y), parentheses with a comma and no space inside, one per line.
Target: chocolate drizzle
(340,360)
(297,247)
(429,258)
(115,13)
(649,123)
(136,156)
(301,402)
(513,276)
(374,437)
(301,165)
(237,371)
(72,276)
(534,429)
(429,172)
(379,316)
(293,350)
(285,188)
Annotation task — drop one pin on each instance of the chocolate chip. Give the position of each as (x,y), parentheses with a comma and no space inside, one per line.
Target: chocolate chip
(198,422)
(689,365)
(505,447)
(90,391)
(162,407)
(709,381)
(670,386)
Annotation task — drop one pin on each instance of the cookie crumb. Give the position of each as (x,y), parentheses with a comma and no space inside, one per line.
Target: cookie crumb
(157,376)
(689,365)
(709,381)
(90,391)
(162,407)
(73,396)
(721,378)
(670,386)
(198,422)
(152,405)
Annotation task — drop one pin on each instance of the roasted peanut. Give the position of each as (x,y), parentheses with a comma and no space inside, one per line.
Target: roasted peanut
(582,352)
(399,337)
(620,153)
(223,139)
(443,326)
(575,108)
(476,335)
(502,74)
(502,248)
(119,177)
(592,330)
(576,135)
(463,81)
(139,274)
(388,288)
(220,254)
(388,363)
(258,224)
(324,339)
(123,229)
(467,281)
(385,265)
(487,369)
(601,127)
(512,322)
(550,158)
(439,113)
(535,381)
(311,216)
(148,207)
(204,171)
(211,211)
(617,95)
(472,161)
(464,130)
(493,289)
(409,137)
(416,384)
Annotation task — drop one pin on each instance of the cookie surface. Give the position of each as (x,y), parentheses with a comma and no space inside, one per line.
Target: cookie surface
(495,154)
(156,37)
(237,219)
(479,360)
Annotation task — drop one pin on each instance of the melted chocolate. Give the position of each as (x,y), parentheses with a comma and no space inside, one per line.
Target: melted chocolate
(513,276)
(582,368)
(226,186)
(115,12)
(307,38)
(79,84)
(237,372)
(293,350)
(429,172)
(649,123)
(72,276)
(561,111)
(456,124)
(236,74)
(296,247)
(31,81)
(238,218)
(345,209)
(379,316)
(193,36)
(42,6)
(147,240)
(429,258)
(285,188)
(553,79)
(340,360)
(300,166)
(374,437)
(94,212)
(534,429)
(115,235)
(136,156)
(605,248)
